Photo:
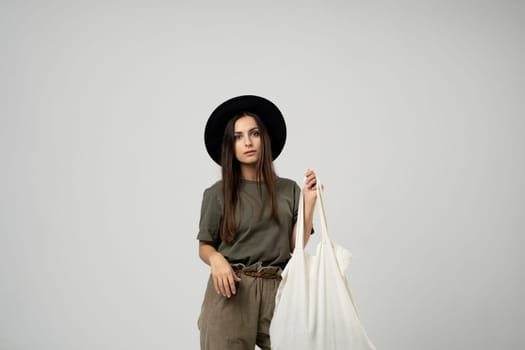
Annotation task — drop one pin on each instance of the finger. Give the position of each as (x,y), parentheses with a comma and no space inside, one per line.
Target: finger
(221,287)
(311,184)
(309,178)
(226,285)
(236,277)
(232,284)
(216,285)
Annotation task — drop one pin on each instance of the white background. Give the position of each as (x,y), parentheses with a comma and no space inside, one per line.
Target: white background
(411,112)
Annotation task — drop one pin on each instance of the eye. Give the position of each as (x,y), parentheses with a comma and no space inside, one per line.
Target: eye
(237,136)
(256,133)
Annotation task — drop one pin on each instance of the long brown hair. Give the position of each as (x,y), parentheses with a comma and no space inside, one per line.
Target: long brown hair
(231,175)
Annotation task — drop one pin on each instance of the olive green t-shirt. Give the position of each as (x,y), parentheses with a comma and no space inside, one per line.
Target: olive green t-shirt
(258,238)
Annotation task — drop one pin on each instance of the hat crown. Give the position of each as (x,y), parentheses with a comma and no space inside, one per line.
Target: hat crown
(265,109)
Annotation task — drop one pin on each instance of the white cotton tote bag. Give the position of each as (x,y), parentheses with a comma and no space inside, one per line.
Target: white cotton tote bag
(314,308)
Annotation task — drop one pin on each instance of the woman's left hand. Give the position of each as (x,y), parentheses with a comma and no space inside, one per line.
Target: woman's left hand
(310,187)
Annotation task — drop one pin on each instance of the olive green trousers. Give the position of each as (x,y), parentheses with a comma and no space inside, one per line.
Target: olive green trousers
(241,321)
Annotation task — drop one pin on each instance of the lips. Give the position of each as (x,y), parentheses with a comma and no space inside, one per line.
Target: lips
(249,153)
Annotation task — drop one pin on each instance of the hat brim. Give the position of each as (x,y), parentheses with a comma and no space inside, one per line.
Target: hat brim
(267,111)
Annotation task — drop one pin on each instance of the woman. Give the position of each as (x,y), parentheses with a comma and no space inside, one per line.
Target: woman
(247,224)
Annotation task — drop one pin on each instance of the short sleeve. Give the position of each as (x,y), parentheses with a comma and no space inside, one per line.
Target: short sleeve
(211,217)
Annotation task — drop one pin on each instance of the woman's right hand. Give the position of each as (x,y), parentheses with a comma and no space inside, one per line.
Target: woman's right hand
(224,277)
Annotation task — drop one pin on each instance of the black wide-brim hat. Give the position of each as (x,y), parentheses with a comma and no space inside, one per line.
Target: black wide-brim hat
(268,112)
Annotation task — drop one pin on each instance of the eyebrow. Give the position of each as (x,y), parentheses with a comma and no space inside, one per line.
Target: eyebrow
(240,132)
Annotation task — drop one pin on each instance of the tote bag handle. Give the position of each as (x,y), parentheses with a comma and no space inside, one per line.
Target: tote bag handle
(299,234)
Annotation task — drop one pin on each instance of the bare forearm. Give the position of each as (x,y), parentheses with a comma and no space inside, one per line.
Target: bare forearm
(308,224)
(224,277)
(308,221)
(207,252)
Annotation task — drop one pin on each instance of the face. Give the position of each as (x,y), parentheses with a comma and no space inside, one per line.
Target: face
(247,140)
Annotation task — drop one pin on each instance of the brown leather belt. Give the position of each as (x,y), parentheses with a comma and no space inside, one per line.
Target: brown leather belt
(258,274)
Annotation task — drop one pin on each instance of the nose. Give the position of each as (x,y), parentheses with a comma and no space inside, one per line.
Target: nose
(247,140)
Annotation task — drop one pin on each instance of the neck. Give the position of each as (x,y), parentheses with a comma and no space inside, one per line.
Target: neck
(248,172)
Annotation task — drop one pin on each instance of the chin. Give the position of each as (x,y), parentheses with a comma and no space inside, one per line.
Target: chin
(249,161)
